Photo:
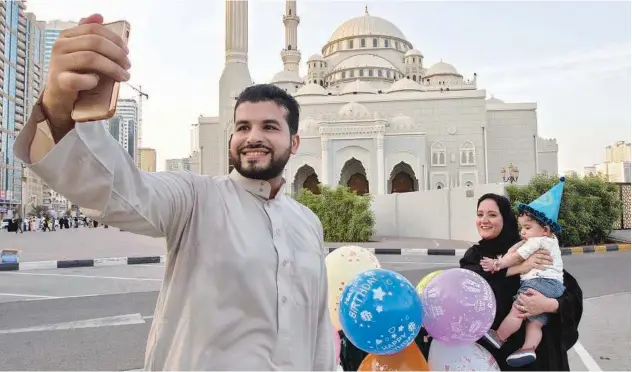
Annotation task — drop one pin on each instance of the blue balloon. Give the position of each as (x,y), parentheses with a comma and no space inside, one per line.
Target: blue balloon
(380,312)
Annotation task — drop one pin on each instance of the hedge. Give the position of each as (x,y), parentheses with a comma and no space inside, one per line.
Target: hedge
(345,215)
(590,206)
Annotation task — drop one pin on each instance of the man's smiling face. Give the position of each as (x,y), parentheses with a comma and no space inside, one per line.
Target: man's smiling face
(262,143)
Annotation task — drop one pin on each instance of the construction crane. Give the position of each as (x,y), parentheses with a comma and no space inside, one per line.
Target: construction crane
(141,94)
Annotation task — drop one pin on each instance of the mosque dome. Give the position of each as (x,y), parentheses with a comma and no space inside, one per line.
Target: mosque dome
(402,122)
(286,77)
(311,89)
(367,25)
(353,110)
(315,58)
(364,61)
(357,87)
(307,125)
(405,85)
(413,53)
(442,68)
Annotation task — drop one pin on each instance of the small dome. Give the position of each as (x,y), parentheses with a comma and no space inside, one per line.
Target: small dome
(402,121)
(353,109)
(357,87)
(405,85)
(315,58)
(442,68)
(364,60)
(413,53)
(493,100)
(367,25)
(307,125)
(311,89)
(286,77)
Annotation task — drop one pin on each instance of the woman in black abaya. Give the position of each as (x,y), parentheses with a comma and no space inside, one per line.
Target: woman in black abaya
(497,225)
(498,228)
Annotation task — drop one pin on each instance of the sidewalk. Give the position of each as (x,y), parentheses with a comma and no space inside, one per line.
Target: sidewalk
(89,243)
(88,247)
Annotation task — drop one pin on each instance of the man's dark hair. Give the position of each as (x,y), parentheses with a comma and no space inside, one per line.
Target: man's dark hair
(269,92)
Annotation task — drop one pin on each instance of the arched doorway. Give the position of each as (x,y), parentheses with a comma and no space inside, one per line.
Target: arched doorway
(311,183)
(353,175)
(306,178)
(402,179)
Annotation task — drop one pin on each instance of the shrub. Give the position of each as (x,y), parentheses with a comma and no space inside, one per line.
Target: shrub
(590,206)
(345,215)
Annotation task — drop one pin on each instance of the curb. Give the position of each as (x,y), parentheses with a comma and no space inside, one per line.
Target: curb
(595,249)
(67,264)
(118,261)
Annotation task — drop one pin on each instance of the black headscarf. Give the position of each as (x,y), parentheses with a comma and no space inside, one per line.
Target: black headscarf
(508,235)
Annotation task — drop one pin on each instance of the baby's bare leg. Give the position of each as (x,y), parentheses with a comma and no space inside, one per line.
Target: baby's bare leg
(510,325)
(534,334)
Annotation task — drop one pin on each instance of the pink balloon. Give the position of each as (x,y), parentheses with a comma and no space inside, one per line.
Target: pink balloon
(459,306)
(337,344)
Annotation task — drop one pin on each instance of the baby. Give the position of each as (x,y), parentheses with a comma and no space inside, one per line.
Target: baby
(538,222)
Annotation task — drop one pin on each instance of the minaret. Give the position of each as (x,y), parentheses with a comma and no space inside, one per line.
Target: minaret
(236,75)
(290,54)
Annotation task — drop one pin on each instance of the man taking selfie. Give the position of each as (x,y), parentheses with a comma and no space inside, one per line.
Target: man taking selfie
(245,285)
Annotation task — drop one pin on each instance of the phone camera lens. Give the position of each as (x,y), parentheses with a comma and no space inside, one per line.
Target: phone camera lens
(127,34)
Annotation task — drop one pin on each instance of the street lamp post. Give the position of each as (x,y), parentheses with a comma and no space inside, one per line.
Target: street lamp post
(510,174)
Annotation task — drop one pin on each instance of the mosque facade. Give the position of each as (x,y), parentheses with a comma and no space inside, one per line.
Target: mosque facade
(377,117)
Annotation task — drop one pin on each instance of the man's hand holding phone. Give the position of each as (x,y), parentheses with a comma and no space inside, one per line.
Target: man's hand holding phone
(80,57)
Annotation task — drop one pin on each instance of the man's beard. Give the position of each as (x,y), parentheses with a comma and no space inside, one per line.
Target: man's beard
(257,172)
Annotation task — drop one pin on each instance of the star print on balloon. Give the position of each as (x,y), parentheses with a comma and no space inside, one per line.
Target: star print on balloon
(380,312)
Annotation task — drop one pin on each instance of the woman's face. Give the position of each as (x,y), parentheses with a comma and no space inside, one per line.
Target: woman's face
(489,221)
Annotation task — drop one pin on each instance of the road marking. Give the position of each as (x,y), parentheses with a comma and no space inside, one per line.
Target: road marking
(588,360)
(148,265)
(419,263)
(606,296)
(118,320)
(83,276)
(28,295)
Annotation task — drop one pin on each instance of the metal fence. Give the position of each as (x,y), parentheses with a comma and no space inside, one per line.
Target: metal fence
(623,223)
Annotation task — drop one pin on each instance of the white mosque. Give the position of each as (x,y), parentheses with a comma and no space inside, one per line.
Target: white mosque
(376,118)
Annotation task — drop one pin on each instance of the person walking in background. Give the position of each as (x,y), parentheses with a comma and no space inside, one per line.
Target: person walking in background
(245,286)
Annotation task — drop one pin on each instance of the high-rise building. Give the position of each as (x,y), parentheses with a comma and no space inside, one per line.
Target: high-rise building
(178,164)
(127,109)
(52,30)
(195,137)
(21,80)
(147,158)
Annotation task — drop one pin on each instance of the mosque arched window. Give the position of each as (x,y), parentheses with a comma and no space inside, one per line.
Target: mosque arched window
(370,72)
(414,77)
(379,73)
(361,72)
(374,43)
(350,44)
(438,152)
(385,43)
(363,43)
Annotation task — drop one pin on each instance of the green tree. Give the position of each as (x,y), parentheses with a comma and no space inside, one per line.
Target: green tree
(345,215)
(39,211)
(590,206)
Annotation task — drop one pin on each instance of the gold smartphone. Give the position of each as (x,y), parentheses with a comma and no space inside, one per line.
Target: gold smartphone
(100,103)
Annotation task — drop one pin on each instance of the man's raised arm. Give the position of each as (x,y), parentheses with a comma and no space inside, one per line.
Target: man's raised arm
(83,161)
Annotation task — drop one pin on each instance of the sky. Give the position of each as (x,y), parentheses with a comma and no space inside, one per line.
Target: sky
(571,58)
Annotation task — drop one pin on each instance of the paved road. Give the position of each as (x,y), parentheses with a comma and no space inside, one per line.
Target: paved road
(98,318)
(88,243)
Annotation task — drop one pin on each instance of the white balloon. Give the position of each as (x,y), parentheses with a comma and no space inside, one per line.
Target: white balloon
(468,357)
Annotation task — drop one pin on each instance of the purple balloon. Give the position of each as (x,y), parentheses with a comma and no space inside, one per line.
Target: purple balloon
(459,306)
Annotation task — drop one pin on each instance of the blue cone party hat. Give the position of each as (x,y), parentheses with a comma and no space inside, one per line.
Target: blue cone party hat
(546,208)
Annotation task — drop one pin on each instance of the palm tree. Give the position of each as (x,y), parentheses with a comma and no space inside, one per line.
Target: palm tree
(39,211)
